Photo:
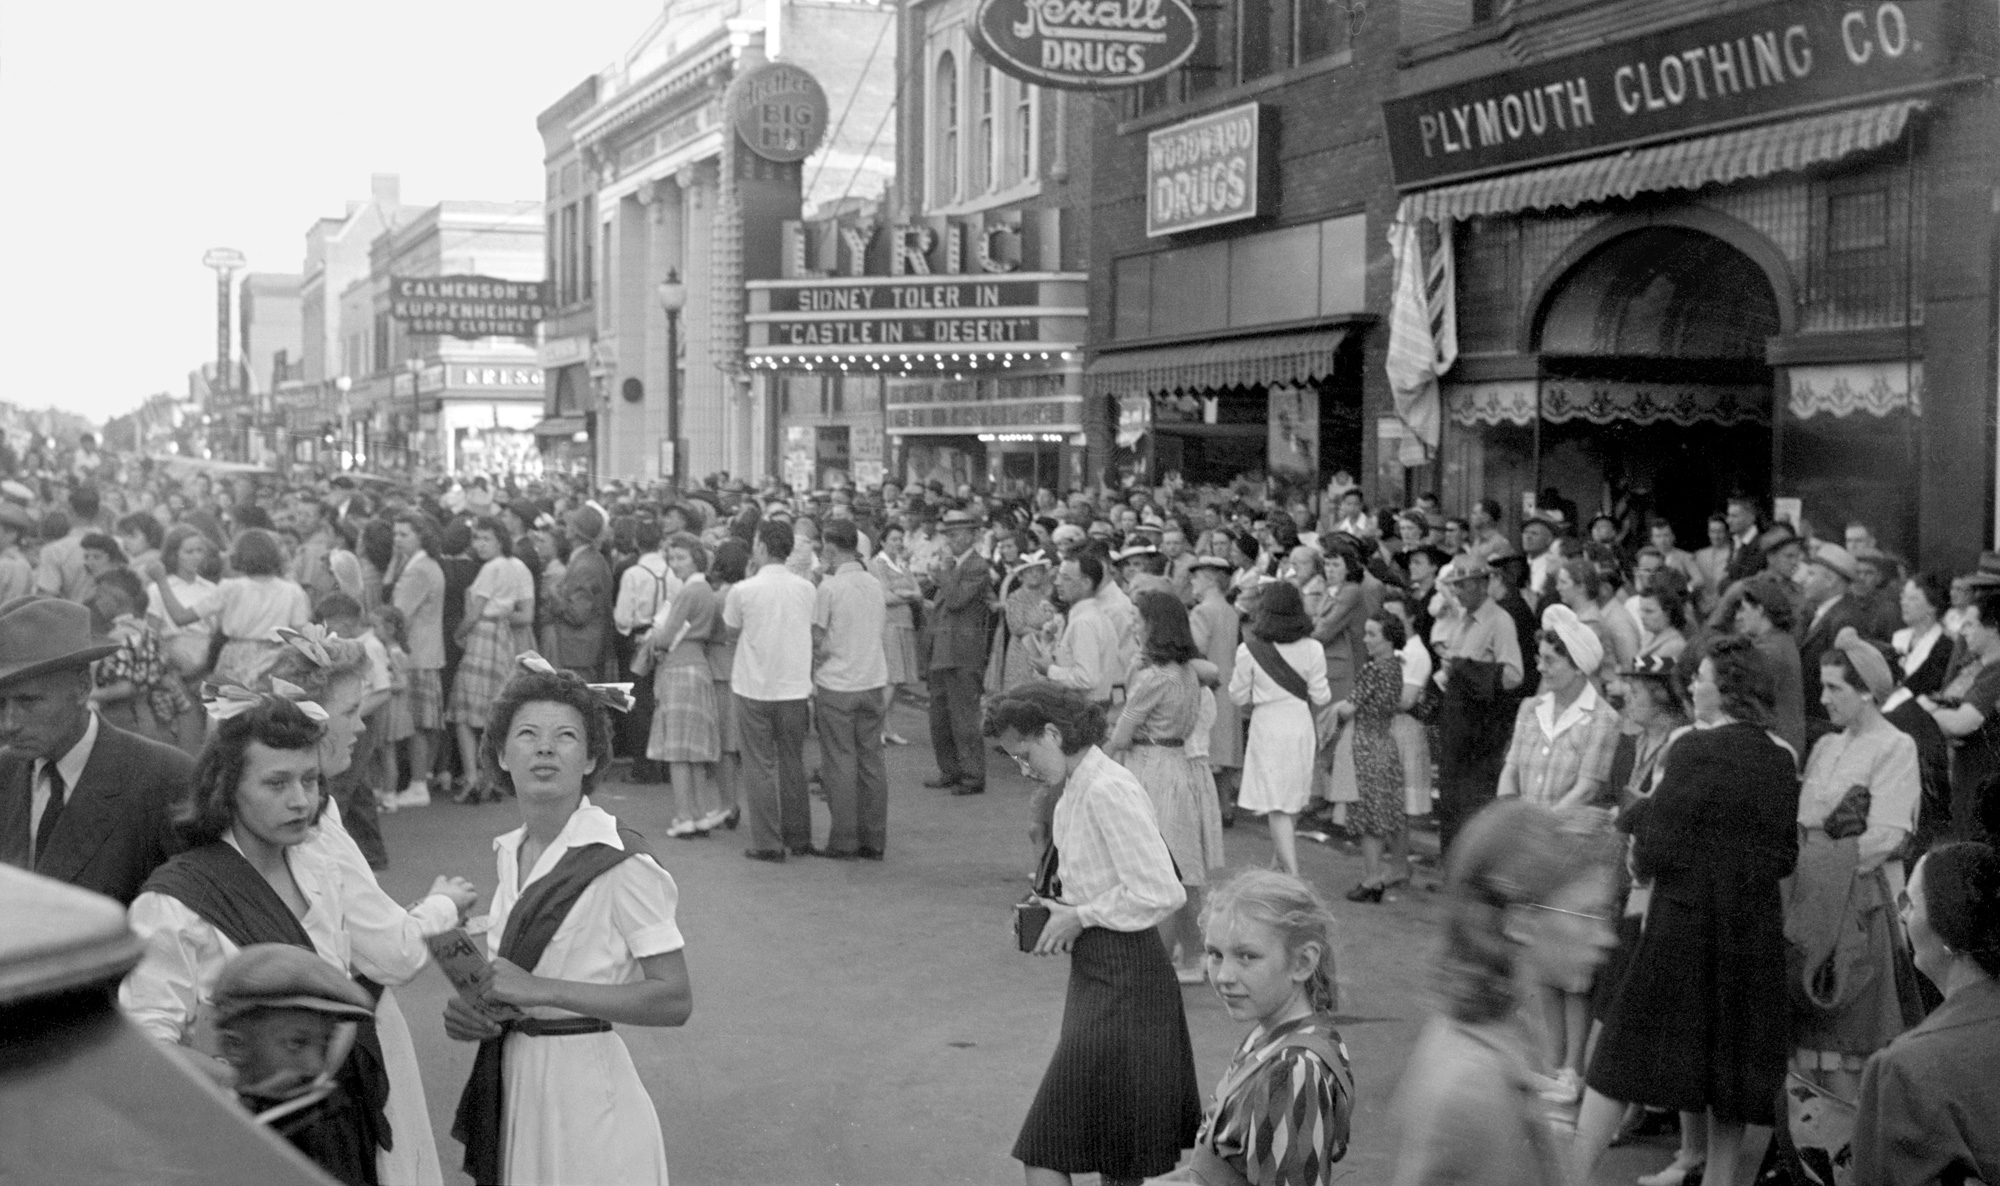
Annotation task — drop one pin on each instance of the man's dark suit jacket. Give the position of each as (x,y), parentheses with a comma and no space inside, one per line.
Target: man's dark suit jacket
(960,621)
(115,829)
(582,613)
(1816,640)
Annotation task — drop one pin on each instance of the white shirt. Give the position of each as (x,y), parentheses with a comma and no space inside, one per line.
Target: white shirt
(643,591)
(1087,658)
(850,611)
(70,766)
(774,611)
(1115,867)
(1417,665)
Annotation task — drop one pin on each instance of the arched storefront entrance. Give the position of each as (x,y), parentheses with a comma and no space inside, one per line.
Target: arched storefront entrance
(1654,394)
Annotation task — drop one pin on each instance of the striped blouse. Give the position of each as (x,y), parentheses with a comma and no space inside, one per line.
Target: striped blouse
(1282,1122)
(1114,865)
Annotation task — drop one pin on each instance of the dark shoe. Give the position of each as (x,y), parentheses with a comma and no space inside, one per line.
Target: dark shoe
(774,855)
(1365,893)
(969,788)
(734,817)
(940,782)
(831,855)
(802,850)
(868,854)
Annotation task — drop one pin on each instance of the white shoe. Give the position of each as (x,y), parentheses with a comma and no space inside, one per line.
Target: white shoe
(712,821)
(418,795)
(385,804)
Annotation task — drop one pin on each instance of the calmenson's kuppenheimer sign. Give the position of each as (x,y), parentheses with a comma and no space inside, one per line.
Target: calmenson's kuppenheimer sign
(1085,44)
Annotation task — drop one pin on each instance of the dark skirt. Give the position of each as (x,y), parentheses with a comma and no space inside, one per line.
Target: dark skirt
(1119,1097)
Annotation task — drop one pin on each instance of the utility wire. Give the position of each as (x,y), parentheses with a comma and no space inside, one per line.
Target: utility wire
(852,96)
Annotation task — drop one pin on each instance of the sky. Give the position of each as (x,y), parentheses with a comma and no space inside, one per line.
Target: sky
(142,133)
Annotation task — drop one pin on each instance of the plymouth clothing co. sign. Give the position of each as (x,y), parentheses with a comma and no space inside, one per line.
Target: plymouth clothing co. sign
(1202,172)
(1735,68)
(1085,44)
(468,306)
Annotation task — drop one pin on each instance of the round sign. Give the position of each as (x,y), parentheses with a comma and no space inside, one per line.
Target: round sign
(1081,46)
(779,111)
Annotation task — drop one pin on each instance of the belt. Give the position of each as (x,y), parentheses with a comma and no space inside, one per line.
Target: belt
(558,1027)
(1166,742)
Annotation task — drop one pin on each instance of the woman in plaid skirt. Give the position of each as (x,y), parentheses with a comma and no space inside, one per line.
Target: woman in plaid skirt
(499,613)
(686,731)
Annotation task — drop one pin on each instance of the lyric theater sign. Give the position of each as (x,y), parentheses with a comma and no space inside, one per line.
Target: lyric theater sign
(1085,44)
(1737,68)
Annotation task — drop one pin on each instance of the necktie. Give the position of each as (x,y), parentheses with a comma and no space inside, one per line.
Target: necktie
(50,813)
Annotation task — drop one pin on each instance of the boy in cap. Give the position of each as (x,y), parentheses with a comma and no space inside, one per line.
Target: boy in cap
(287,1020)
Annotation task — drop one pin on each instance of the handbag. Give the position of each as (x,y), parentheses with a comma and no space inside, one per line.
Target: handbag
(1326,726)
(1030,915)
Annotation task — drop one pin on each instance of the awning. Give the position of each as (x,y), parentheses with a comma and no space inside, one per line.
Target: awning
(560,426)
(1721,159)
(1201,366)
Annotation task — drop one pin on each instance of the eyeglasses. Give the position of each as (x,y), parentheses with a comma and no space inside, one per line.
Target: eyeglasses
(1600,918)
(1026,769)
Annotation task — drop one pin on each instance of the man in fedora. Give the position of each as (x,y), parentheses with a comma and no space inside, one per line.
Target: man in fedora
(81,800)
(960,623)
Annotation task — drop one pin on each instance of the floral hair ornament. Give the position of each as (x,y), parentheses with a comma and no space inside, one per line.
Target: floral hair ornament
(223,701)
(616,697)
(309,641)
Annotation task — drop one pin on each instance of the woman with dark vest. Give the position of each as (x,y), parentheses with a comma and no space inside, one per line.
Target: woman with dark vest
(250,877)
(582,935)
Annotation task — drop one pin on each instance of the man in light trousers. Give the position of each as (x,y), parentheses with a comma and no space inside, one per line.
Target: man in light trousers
(850,671)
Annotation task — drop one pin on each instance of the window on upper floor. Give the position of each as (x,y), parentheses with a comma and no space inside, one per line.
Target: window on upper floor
(983,134)
(1244,40)
(587,238)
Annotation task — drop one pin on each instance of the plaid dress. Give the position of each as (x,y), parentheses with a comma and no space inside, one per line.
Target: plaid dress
(493,644)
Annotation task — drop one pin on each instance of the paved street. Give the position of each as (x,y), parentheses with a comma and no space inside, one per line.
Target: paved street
(871,1024)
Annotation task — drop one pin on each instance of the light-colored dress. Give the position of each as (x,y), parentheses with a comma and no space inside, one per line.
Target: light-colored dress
(899,629)
(575,1109)
(1162,711)
(1027,612)
(1217,632)
(246,610)
(1278,762)
(185,647)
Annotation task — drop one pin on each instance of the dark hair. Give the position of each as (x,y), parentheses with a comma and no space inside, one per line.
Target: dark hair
(842,534)
(250,515)
(1935,589)
(336,605)
(646,536)
(1672,603)
(210,806)
(1090,564)
(425,527)
(83,501)
(1767,592)
(531,687)
(1168,637)
(378,544)
(127,582)
(732,557)
(455,537)
(1281,614)
(1962,900)
(1349,560)
(1513,853)
(494,527)
(776,536)
(257,554)
(55,525)
(97,541)
(1393,631)
(1034,706)
(398,625)
(142,524)
(1491,507)
(1585,575)
(691,544)
(1743,678)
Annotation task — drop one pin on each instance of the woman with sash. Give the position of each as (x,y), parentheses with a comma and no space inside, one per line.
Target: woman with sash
(249,876)
(583,935)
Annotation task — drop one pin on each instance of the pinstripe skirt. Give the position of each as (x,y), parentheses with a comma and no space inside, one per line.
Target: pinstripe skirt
(1119,1098)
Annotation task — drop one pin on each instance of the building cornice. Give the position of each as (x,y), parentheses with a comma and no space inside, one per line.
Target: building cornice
(698,67)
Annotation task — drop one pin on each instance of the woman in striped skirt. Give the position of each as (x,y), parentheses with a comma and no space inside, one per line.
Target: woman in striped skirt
(1119,1097)
(687,733)
(496,628)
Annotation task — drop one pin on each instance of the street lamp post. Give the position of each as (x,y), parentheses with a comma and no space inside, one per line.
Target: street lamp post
(342,453)
(673,298)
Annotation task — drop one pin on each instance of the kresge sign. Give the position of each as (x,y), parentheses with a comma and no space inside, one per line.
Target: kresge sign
(1085,44)
(1203,172)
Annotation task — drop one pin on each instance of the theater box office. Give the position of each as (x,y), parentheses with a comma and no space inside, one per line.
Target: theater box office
(928,351)
(1701,258)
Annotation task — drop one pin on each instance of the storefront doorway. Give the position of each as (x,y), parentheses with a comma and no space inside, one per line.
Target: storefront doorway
(1654,394)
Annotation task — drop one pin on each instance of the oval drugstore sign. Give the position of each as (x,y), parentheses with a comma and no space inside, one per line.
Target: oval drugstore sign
(779,111)
(1085,44)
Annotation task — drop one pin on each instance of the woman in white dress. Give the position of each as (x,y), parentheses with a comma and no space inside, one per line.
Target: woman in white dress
(255,873)
(1280,676)
(583,935)
(246,608)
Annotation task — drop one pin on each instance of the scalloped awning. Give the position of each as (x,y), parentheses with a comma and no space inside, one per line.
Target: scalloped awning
(1740,155)
(1202,366)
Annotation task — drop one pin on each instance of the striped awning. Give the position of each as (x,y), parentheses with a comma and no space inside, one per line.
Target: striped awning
(560,426)
(1201,366)
(1741,155)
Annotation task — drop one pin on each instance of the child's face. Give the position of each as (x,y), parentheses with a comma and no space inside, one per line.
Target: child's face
(95,562)
(1249,968)
(276,1052)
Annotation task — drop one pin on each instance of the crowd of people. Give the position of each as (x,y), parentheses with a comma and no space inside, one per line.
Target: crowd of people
(1738,877)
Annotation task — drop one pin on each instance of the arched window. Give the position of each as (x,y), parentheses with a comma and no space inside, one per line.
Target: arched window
(945,173)
(983,141)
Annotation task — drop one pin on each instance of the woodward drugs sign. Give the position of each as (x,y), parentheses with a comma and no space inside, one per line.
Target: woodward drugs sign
(1085,44)
(1203,172)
